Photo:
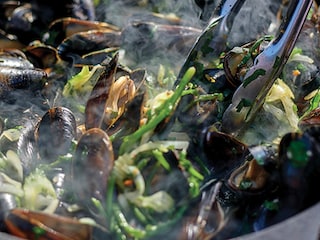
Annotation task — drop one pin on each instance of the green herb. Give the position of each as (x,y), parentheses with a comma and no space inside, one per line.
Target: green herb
(298,153)
(301,67)
(82,82)
(162,112)
(122,225)
(253,49)
(295,50)
(245,184)
(314,103)
(271,205)
(210,97)
(161,159)
(125,226)
(243,103)
(194,178)
(38,232)
(139,215)
(254,76)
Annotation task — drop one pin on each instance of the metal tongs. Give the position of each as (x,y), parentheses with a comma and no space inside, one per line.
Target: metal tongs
(214,37)
(267,67)
(265,70)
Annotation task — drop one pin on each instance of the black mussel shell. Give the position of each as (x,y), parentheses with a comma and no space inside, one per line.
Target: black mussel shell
(299,179)
(128,122)
(83,43)
(23,222)
(27,148)
(14,58)
(92,164)
(63,28)
(42,56)
(311,120)
(232,61)
(223,152)
(55,133)
(96,104)
(217,77)
(299,154)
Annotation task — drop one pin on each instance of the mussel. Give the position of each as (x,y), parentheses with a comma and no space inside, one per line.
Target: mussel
(29,20)
(300,169)
(41,55)
(14,58)
(10,41)
(83,43)
(310,120)
(92,164)
(17,72)
(55,132)
(96,104)
(208,220)
(44,140)
(222,151)
(38,225)
(63,28)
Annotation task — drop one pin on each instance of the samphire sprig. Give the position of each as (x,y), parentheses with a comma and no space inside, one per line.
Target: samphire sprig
(130,141)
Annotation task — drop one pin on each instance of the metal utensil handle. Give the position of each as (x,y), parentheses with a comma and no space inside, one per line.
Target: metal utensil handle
(266,69)
(213,37)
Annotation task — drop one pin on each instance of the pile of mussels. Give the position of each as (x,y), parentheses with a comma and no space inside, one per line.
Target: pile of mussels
(100,140)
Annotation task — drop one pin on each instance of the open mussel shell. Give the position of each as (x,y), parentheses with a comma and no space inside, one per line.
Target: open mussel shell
(310,120)
(55,132)
(207,219)
(82,43)
(96,104)
(222,151)
(29,224)
(232,65)
(92,164)
(251,178)
(42,56)
(63,28)
(127,123)
(128,89)
(238,60)
(254,173)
